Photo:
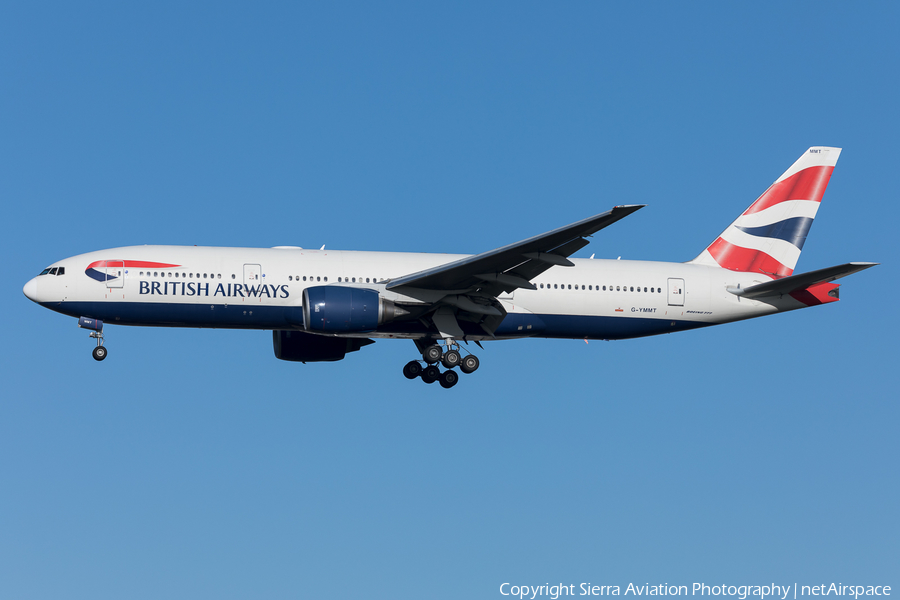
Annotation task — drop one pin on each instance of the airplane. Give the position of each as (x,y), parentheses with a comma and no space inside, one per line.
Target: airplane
(321,304)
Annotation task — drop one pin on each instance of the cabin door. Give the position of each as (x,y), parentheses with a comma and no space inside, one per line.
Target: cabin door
(115,273)
(676,292)
(252,274)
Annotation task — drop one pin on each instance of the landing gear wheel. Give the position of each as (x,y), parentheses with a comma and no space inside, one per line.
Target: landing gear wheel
(449,379)
(412,369)
(99,353)
(430,374)
(432,354)
(451,359)
(469,364)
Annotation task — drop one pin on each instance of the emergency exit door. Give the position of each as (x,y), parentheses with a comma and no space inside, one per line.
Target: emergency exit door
(676,292)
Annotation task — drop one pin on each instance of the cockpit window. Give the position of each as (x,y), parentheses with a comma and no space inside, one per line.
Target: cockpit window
(53,271)
(61,271)
(45,271)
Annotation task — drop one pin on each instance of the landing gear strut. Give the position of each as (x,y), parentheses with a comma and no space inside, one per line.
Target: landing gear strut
(449,358)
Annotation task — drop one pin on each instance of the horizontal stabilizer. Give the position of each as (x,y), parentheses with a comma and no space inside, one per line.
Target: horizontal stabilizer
(787,285)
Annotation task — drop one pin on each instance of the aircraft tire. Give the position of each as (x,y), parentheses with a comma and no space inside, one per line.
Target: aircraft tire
(412,369)
(99,353)
(430,374)
(469,364)
(432,354)
(451,359)
(449,379)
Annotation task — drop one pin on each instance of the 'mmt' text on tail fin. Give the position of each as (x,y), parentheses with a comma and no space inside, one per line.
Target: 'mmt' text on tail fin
(768,237)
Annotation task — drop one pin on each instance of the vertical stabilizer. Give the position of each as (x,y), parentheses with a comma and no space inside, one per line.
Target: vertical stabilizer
(768,237)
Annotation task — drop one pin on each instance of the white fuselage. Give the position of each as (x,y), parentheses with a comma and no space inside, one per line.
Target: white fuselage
(254,288)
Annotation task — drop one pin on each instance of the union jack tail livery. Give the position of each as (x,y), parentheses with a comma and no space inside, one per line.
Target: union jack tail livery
(768,237)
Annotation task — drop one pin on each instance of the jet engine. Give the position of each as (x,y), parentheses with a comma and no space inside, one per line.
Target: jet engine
(305,347)
(336,309)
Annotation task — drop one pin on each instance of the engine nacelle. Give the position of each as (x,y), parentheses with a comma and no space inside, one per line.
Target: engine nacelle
(306,347)
(337,309)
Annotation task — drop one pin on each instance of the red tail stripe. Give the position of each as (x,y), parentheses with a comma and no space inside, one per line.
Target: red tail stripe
(738,258)
(808,184)
(816,294)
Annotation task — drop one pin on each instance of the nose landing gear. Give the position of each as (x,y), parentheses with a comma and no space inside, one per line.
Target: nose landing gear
(100,352)
(450,358)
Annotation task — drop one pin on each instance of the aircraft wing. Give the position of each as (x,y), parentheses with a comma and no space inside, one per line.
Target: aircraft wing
(510,267)
(793,283)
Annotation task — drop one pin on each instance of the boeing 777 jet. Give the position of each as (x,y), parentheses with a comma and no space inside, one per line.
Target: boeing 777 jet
(322,304)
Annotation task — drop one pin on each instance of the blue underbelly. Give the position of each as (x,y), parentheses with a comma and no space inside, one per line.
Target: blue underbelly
(244,316)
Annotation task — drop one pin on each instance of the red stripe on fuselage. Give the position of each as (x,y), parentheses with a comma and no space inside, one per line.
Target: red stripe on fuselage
(102,264)
(808,184)
(737,258)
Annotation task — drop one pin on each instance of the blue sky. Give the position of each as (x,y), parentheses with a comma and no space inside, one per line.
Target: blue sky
(193,464)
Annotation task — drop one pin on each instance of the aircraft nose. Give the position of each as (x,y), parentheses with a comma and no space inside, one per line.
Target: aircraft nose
(30,290)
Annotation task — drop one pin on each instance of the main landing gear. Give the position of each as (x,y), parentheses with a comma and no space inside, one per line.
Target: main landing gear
(96,327)
(450,359)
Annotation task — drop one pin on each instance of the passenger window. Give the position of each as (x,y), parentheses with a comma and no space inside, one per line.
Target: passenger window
(554,286)
(232,275)
(367,280)
(618,288)
(604,288)
(318,279)
(632,288)
(326,279)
